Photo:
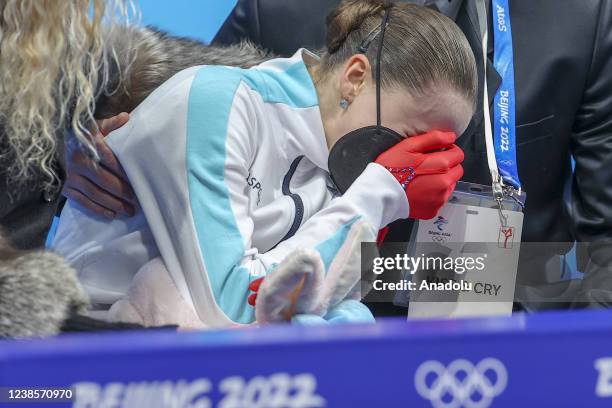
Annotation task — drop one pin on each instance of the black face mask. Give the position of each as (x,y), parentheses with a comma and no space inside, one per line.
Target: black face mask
(351,154)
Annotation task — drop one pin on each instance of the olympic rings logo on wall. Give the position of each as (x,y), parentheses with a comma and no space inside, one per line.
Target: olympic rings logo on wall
(461,384)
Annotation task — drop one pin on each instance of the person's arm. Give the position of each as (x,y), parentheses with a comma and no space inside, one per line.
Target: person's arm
(591,147)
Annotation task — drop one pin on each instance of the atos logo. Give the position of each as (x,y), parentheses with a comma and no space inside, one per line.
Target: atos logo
(441,223)
(461,384)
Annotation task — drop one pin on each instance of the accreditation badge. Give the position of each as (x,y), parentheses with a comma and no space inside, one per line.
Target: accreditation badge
(467,257)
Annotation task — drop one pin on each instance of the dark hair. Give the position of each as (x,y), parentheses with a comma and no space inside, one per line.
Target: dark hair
(421,47)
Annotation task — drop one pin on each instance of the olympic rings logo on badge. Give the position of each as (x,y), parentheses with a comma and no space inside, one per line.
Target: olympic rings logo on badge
(461,384)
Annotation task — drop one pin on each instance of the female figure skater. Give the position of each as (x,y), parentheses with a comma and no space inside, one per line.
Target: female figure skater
(231,169)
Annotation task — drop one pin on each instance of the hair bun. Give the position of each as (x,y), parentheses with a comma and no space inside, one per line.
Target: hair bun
(348,17)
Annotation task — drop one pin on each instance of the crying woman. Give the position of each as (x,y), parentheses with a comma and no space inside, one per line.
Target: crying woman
(241,220)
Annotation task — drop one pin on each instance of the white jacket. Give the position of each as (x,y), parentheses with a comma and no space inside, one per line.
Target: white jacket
(230,169)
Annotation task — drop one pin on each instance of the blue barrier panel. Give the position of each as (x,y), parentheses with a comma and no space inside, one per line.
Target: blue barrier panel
(546,360)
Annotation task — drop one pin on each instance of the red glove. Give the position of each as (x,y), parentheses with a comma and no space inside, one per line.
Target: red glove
(254,287)
(382,234)
(428,167)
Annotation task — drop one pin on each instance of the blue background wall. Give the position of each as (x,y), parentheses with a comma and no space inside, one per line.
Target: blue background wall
(198,19)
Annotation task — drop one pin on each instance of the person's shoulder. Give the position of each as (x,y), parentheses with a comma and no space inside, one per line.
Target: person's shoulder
(195,83)
(177,85)
(279,26)
(291,7)
(553,10)
(277,81)
(219,84)
(283,81)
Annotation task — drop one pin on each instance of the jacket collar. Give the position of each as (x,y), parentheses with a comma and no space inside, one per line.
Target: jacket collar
(305,135)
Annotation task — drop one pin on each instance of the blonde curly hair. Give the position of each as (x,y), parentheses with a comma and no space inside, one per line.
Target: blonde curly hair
(54,62)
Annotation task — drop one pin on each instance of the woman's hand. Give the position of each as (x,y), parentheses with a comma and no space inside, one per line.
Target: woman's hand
(428,167)
(103,189)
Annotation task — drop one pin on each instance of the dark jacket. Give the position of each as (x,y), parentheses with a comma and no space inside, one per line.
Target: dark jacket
(563,72)
(26,209)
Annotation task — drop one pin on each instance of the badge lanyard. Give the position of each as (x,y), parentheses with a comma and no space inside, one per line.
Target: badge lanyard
(500,134)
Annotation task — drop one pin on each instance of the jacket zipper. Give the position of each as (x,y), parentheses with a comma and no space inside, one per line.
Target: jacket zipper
(297,200)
